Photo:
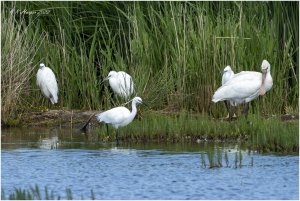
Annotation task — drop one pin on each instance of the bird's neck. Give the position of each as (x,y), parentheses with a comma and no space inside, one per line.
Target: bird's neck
(266,84)
(134,110)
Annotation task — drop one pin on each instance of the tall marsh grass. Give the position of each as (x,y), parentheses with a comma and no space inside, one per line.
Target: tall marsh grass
(175,51)
(258,133)
(18,48)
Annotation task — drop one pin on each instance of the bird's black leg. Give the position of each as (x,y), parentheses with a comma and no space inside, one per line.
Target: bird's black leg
(246,109)
(107,130)
(117,137)
(227,104)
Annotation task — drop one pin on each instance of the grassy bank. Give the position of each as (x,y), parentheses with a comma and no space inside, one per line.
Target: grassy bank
(175,52)
(263,134)
(268,134)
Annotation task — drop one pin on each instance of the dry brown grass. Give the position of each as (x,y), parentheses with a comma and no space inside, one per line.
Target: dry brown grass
(17,63)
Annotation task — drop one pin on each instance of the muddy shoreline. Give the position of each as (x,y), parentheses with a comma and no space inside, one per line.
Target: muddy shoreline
(57,118)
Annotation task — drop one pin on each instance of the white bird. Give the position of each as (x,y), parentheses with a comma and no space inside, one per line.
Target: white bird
(46,80)
(121,83)
(118,116)
(227,75)
(245,86)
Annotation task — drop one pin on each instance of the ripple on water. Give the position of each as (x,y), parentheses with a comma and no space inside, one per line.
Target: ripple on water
(119,173)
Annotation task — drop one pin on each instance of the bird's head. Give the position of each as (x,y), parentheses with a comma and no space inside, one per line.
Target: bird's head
(42,65)
(265,66)
(138,100)
(227,69)
(110,74)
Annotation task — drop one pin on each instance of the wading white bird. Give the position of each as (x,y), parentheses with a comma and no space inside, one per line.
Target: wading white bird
(227,75)
(121,83)
(245,87)
(46,80)
(118,116)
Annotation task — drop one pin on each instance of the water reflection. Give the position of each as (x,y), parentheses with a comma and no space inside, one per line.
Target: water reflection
(49,143)
(142,171)
(211,155)
(218,158)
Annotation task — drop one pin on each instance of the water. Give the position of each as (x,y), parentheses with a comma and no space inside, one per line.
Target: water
(61,159)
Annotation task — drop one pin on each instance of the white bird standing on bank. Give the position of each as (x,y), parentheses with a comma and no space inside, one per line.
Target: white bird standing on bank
(46,80)
(245,86)
(118,116)
(121,83)
(227,75)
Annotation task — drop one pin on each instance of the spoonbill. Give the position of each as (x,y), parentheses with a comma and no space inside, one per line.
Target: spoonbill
(245,87)
(227,75)
(117,117)
(121,83)
(46,80)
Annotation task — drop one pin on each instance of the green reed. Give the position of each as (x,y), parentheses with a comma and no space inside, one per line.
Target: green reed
(34,193)
(175,51)
(216,157)
(269,135)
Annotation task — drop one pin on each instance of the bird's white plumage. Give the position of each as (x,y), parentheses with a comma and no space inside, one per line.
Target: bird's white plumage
(119,116)
(227,74)
(245,86)
(46,80)
(121,83)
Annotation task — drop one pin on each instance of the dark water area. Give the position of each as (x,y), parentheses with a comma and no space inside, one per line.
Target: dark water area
(60,159)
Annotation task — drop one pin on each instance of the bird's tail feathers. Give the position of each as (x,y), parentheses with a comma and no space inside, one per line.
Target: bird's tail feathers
(216,98)
(54,100)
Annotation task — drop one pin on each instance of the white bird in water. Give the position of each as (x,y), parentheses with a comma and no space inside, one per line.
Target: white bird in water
(121,83)
(227,75)
(46,80)
(118,116)
(245,87)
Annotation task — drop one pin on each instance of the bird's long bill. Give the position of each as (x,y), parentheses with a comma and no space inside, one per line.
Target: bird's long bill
(262,89)
(145,104)
(264,75)
(103,80)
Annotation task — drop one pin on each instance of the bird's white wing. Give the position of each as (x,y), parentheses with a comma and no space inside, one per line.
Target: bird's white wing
(241,86)
(113,116)
(39,78)
(115,85)
(50,79)
(126,82)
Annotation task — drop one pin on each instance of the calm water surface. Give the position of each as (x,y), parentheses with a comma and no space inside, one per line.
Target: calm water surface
(61,159)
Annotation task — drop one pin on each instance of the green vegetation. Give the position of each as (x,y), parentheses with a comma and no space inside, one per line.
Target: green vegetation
(36,194)
(268,135)
(175,52)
